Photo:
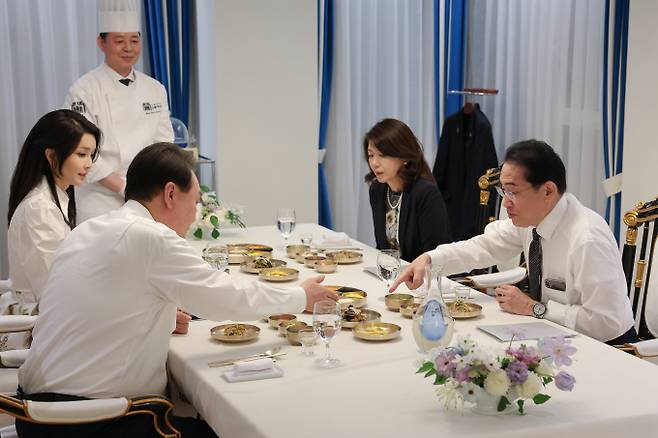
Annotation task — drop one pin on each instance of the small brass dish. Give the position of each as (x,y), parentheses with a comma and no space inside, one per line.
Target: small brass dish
(275,320)
(311,260)
(462,310)
(283,326)
(326,266)
(278,274)
(367,315)
(237,251)
(232,333)
(260,263)
(293,250)
(345,257)
(394,301)
(292,333)
(349,295)
(409,309)
(376,331)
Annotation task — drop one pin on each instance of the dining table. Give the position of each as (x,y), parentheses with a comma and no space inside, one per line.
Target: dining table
(376,391)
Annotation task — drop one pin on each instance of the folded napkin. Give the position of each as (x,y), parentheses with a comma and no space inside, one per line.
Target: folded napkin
(253,366)
(253,370)
(499,278)
(647,348)
(334,240)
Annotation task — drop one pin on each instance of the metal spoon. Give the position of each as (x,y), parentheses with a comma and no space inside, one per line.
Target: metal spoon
(267,353)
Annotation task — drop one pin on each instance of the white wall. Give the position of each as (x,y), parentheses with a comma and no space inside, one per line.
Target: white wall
(640,182)
(267,106)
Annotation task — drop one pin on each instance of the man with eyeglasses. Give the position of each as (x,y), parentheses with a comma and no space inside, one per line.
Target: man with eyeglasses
(575,273)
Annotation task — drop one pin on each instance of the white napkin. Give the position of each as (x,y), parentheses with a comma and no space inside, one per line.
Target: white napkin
(263,365)
(334,240)
(648,347)
(499,278)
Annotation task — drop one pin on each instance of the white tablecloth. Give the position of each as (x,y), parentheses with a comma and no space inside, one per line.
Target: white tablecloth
(376,393)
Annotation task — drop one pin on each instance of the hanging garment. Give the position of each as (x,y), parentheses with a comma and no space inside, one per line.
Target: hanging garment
(466,151)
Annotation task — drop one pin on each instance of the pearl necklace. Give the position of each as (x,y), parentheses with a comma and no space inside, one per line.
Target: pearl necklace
(388,199)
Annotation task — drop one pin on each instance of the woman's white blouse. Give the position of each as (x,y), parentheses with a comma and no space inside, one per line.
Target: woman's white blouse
(35,232)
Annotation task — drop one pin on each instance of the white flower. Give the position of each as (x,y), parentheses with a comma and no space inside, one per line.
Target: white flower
(449,396)
(497,383)
(469,391)
(462,362)
(530,387)
(545,368)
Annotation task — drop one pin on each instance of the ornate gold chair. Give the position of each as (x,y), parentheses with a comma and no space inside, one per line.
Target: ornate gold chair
(489,201)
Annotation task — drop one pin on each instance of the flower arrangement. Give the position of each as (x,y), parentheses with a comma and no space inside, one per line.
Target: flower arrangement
(211,214)
(467,372)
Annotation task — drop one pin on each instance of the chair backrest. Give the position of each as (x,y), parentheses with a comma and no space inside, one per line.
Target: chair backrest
(489,206)
(641,223)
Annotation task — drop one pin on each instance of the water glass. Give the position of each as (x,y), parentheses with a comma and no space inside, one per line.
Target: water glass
(462,293)
(216,256)
(388,262)
(327,322)
(306,238)
(307,338)
(285,221)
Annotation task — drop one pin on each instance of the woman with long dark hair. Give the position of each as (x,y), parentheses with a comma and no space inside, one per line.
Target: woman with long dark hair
(56,156)
(408,211)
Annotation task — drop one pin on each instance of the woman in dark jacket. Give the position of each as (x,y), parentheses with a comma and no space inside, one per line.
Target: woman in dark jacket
(408,211)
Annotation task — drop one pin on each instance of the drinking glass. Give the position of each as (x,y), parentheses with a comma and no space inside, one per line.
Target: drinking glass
(388,262)
(285,221)
(327,322)
(306,238)
(462,293)
(307,338)
(216,256)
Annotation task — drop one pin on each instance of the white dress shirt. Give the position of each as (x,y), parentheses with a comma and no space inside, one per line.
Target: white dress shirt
(578,249)
(130,118)
(36,229)
(109,308)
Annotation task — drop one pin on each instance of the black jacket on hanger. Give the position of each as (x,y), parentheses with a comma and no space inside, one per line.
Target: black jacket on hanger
(423,222)
(466,151)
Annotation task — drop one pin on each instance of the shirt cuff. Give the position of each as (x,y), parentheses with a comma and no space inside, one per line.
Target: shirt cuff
(298,301)
(557,312)
(436,258)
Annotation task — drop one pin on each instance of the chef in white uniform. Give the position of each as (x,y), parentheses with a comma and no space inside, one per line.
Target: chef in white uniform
(128,106)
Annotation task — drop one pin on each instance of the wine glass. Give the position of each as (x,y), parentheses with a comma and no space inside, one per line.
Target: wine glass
(327,321)
(285,221)
(388,262)
(216,256)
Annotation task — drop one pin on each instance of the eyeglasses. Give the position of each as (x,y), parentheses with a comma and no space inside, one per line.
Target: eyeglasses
(510,195)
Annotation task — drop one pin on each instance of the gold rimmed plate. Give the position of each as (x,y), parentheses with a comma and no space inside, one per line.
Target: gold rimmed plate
(349,295)
(376,331)
(345,257)
(278,274)
(368,315)
(233,333)
(255,266)
(463,309)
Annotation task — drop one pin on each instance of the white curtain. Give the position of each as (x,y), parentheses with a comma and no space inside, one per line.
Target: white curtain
(546,58)
(44,46)
(383,67)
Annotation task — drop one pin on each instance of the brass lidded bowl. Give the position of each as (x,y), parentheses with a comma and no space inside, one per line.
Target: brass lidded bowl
(409,309)
(237,251)
(293,250)
(463,310)
(278,274)
(326,266)
(259,263)
(368,314)
(283,326)
(292,332)
(376,331)
(394,301)
(275,320)
(349,295)
(235,332)
(312,259)
(345,257)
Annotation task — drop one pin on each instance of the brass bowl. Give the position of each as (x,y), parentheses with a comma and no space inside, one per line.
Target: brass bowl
(252,268)
(408,310)
(463,310)
(349,295)
(326,266)
(370,315)
(275,320)
(292,333)
(376,331)
(300,257)
(249,333)
(237,251)
(394,301)
(311,260)
(283,326)
(278,274)
(293,250)
(345,257)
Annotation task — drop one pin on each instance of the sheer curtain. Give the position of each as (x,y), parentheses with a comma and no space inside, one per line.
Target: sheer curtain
(44,46)
(546,57)
(383,67)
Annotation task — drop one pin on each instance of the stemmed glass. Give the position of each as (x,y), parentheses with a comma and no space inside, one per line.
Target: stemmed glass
(327,322)
(216,256)
(388,262)
(285,221)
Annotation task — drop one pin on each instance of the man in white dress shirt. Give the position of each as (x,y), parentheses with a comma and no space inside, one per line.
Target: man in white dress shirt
(128,106)
(115,284)
(575,264)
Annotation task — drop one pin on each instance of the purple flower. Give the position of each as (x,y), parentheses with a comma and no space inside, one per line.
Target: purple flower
(445,364)
(527,355)
(517,372)
(559,349)
(462,374)
(564,381)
